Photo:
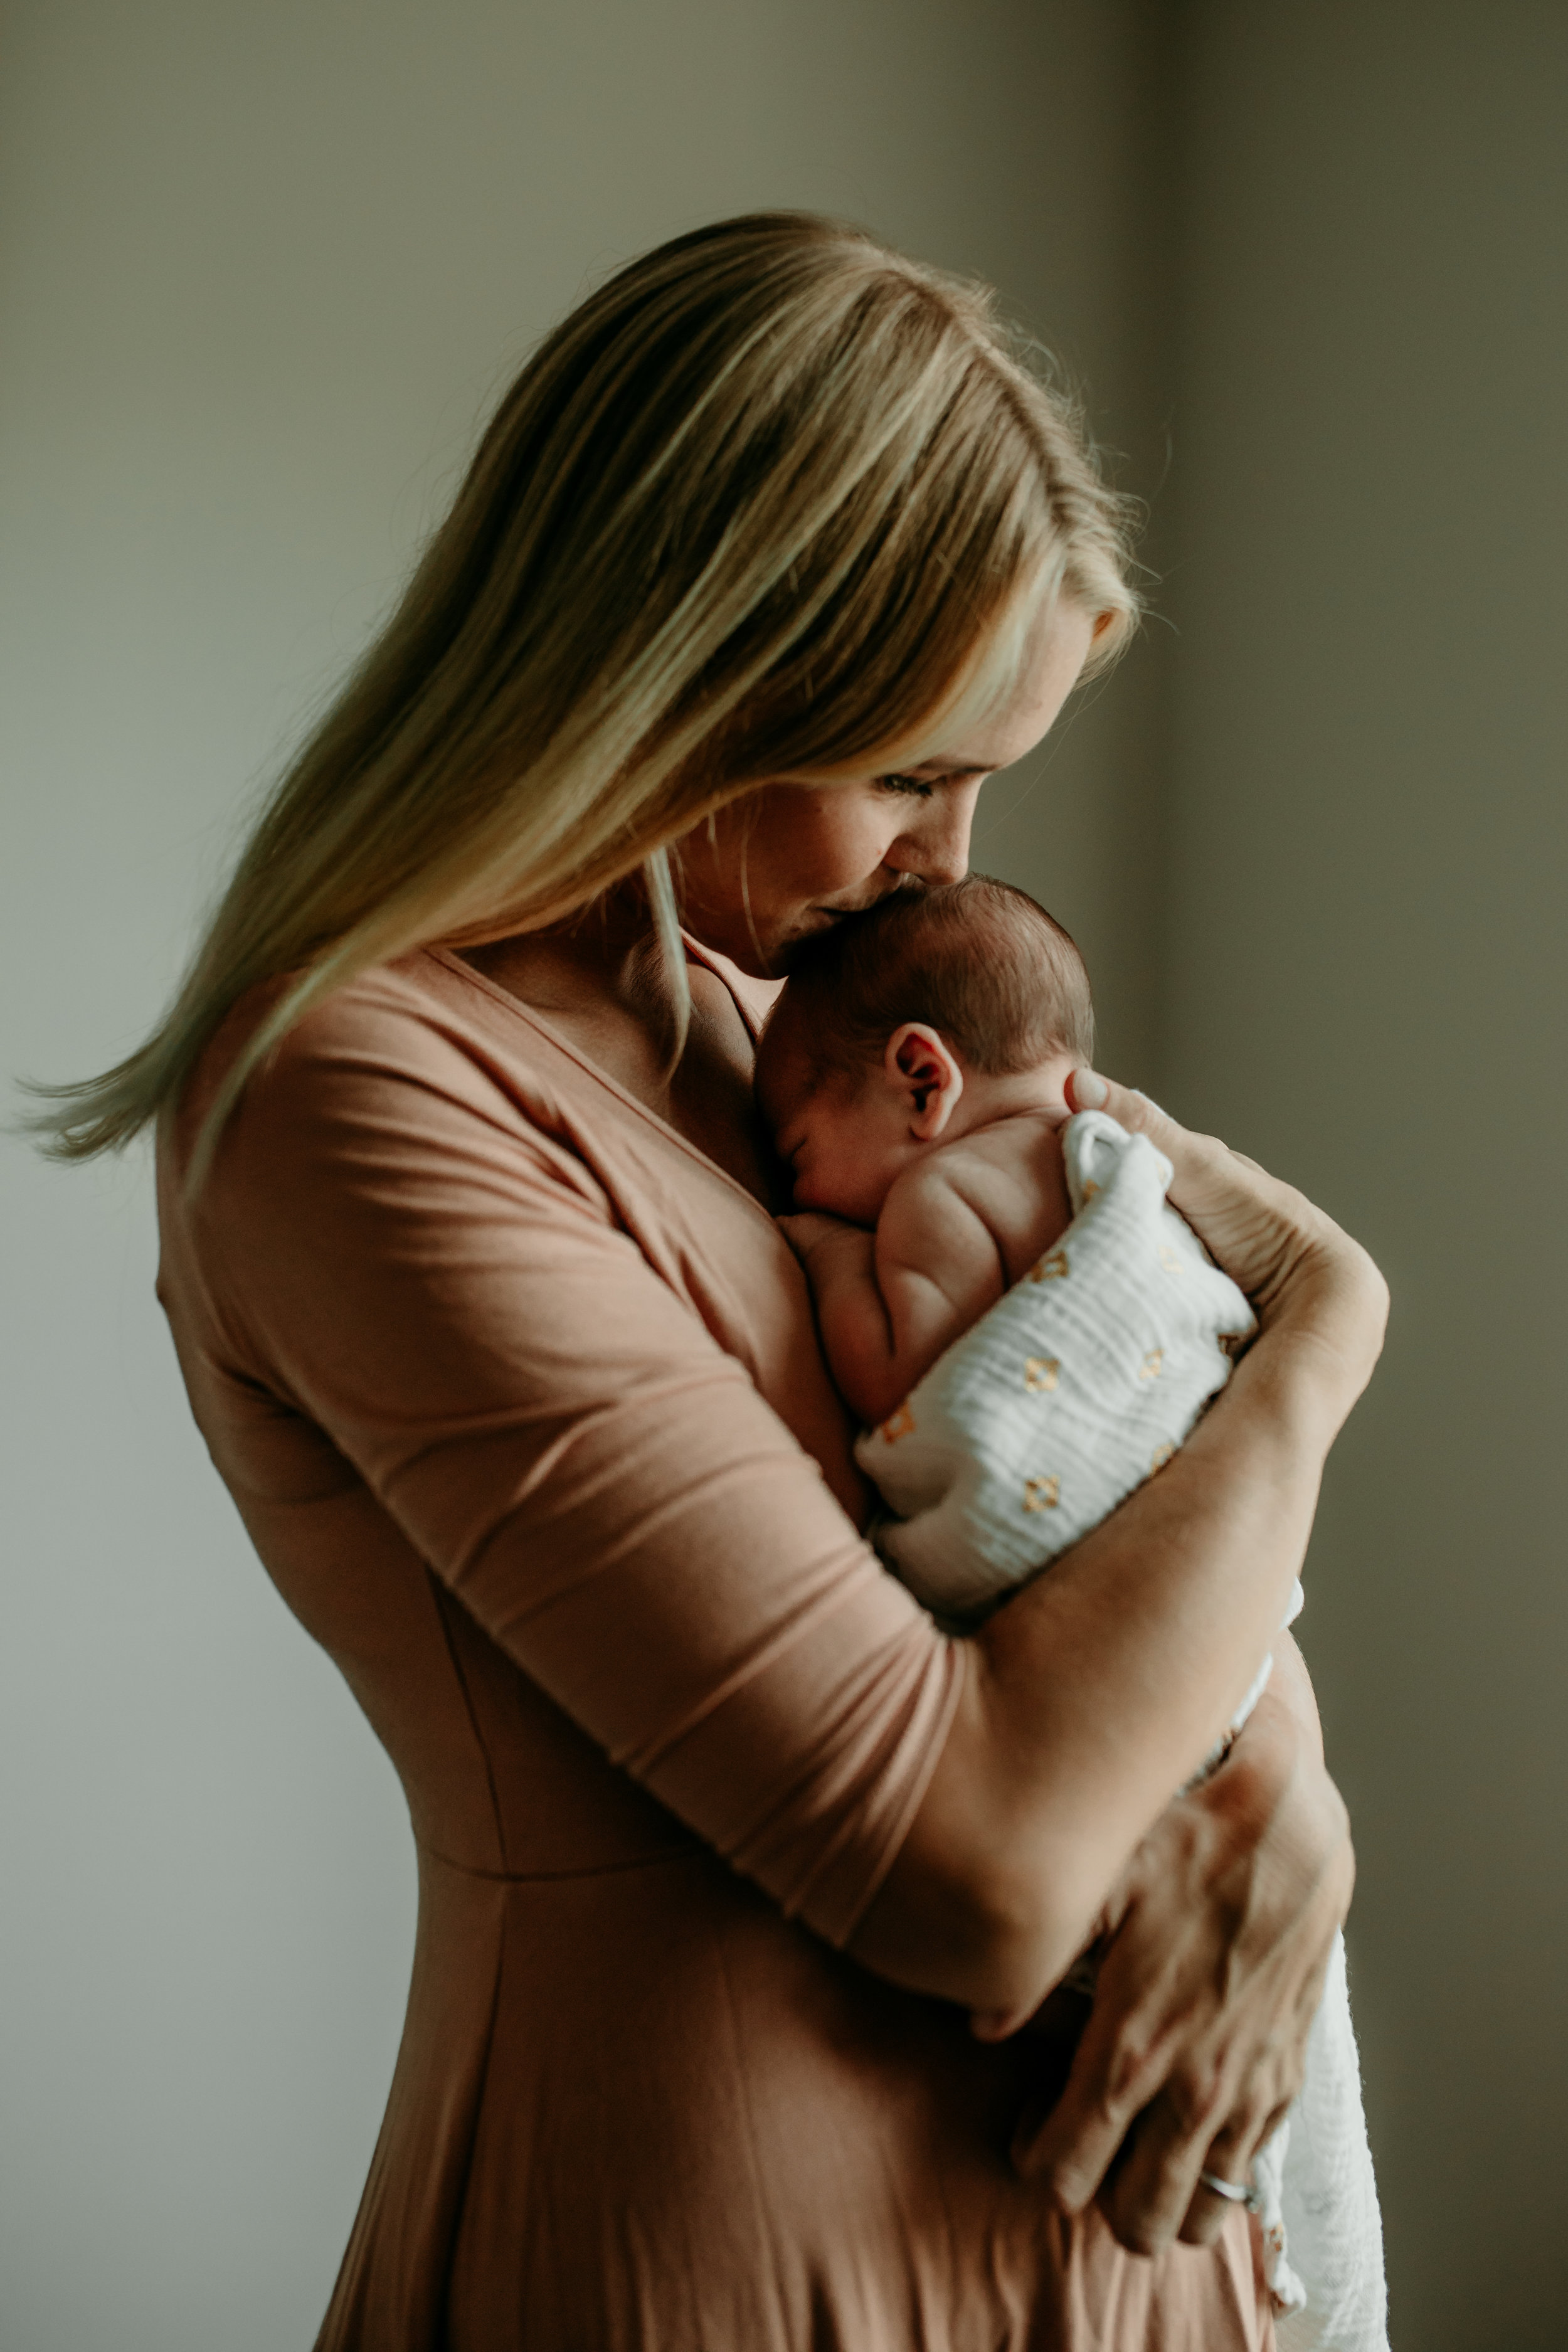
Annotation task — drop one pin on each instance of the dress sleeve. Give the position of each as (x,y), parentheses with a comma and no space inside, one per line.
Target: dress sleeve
(400,1256)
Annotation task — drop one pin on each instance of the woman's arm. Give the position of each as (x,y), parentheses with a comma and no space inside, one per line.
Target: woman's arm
(1215,1941)
(403,1271)
(391,1263)
(1100,1687)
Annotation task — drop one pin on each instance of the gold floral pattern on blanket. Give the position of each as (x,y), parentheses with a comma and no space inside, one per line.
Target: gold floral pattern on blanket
(1152,1365)
(1042,1494)
(899,1425)
(1052,1267)
(1041,1373)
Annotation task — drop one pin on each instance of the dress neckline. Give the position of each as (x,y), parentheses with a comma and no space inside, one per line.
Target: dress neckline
(452,961)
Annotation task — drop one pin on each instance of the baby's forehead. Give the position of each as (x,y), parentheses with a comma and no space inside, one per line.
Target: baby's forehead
(791,1069)
(833,1082)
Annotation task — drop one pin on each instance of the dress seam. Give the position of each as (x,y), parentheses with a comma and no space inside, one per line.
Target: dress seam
(443,1595)
(558,1877)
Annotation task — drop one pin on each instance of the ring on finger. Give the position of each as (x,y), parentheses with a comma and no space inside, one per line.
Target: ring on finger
(1237,2192)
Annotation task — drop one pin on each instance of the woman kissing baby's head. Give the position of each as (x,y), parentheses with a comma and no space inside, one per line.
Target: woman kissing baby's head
(902,1029)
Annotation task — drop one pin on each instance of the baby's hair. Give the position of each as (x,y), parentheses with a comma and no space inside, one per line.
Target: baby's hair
(978,961)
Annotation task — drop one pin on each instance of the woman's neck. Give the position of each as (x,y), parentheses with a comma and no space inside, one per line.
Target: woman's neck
(604,983)
(601,979)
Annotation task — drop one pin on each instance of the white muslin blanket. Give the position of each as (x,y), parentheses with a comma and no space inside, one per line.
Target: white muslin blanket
(1078,1384)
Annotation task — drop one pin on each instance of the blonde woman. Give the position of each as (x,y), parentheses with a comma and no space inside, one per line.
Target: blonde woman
(774,551)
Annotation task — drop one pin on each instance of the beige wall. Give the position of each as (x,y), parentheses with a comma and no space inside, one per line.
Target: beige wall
(1367,981)
(265,268)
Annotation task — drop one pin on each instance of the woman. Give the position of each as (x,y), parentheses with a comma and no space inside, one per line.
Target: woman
(774,553)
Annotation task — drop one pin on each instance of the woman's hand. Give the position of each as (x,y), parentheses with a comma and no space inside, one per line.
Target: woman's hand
(1298,1268)
(1211,1968)
(1092,1695)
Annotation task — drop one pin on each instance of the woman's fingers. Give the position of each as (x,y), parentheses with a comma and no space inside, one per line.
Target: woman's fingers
(1254,1226)
(1232,2158)
(1269,1237)
(1154,2078)
(1117,2069)
(1155,2192)
(1247,1219)
(1091,1090)
(1156,2186)
(1144,2162)
(1212,1971)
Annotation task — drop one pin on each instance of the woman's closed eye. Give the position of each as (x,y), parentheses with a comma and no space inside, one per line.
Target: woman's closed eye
(921,786)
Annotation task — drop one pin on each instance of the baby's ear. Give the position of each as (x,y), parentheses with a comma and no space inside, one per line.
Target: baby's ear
(922,1069)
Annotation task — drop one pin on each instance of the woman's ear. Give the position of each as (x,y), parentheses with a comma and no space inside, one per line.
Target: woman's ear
(920,1066)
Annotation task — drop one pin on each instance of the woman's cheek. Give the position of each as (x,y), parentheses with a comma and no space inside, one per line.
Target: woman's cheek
(854,846)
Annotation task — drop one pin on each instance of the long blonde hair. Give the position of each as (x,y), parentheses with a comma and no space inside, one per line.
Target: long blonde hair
(757,506)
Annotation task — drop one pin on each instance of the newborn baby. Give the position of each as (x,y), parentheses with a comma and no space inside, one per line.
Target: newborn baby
(1029,1330)
(938,1137)
(1004,1293)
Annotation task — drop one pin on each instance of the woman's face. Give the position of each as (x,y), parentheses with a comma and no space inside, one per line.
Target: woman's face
(796,856)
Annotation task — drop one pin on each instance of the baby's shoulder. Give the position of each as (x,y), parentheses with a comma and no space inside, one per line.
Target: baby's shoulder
(1024,1148)
(1012,1174)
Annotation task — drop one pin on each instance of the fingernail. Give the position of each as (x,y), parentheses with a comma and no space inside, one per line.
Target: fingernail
(1088,1090)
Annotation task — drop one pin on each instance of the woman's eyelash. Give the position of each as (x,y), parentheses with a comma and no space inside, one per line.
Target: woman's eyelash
(921,785)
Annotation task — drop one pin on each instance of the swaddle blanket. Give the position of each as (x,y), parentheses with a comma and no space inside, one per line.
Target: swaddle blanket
(1078,1384)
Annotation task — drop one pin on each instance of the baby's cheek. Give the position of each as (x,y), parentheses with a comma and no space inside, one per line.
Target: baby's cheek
(842,1183)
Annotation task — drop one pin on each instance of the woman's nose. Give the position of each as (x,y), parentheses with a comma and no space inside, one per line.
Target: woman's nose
(935,848)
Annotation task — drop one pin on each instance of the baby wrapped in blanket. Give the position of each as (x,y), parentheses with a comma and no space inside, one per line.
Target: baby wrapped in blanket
(1028,1331)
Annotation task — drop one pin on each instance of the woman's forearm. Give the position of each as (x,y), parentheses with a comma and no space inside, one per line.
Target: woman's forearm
(1099,1688)
(1290,1686)
(1211,1970)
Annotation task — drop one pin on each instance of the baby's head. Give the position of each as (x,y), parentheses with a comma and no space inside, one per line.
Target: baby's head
(903,1028)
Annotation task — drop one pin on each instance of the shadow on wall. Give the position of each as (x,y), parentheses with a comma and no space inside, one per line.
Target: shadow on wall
(1367,974)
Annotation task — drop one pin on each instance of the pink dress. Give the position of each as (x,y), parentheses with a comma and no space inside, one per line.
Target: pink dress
(521,1400)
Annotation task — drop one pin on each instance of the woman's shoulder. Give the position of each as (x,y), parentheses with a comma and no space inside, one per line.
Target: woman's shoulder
(419,1116)
(427,1006)
(419,1047)
(428,1012)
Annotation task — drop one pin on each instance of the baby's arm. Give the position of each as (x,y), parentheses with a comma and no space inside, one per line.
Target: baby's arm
(887,1303)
